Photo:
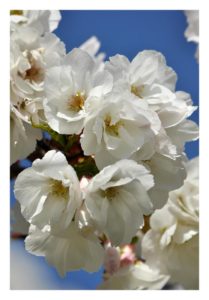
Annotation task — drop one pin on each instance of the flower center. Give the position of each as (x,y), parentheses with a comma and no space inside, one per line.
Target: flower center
(35,73)
(86,231)
(58,189)
(112,129)
(110,193)
(76,102)
(137,91)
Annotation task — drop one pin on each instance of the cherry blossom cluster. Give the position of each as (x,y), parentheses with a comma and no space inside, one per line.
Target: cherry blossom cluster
(117,131)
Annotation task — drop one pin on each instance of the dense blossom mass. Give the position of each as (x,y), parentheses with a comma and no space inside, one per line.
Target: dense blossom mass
(174,233)
(107,141)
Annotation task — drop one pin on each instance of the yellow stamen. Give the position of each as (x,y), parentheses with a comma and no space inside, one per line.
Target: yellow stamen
(58,189)
(137,91)
(76,102)
(112,128)
(110,193)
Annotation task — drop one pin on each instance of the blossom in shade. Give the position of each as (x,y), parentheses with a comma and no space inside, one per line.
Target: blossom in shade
(123,272)
(66,250)
(21,133)
(172,243)
(168,173)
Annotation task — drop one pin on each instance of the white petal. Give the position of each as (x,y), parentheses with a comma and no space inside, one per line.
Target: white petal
(150,67)
(30,190)
(91,46)
(71,251)
(51,164)
(54,19)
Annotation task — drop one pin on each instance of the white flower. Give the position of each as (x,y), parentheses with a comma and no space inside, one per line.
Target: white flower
(117,199)
(173,115)
(49,191)
(183,130)
(117,126)
(147,77)
(164,154)
(172,243)
(70,249)
(173,109)
(186,131)
(42,20)
(22,136)
(160,144)
(150,80)
(192,31)
(135,277)
(176,110)
(144,71)
(31,55)
(68,88)
(169,174)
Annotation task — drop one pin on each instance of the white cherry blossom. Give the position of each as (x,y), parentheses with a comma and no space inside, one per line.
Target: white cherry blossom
(116,127)
(176,128)
(184,130)
(173,109)
(176,110)
(150,80)
(49,191)
(147,77)
(146,69)
(172,243)
(131,120)
(117,199)
(41,20)
(66,250)
(68,88)
(168,173)
(31,55)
